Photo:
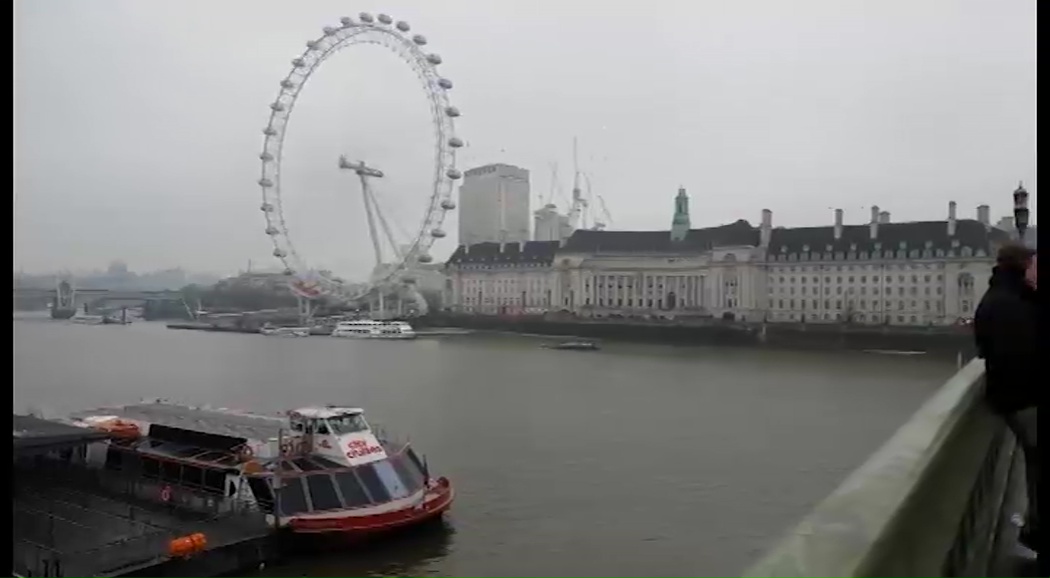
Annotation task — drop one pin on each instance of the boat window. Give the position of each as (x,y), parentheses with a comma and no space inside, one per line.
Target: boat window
(150,468)
(170,472)
(215,481)
(192,476)
(262,491)
(291,497)
(410,475)
(390,479)
(322,492)
(322,427)
(349,423)
(114,459)
(306,465)
(414,458)
(297,424)
(325,462)
(372,483)
(353,493)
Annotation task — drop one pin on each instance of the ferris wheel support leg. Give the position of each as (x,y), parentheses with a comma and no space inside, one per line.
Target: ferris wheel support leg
(305,310)
(369,208)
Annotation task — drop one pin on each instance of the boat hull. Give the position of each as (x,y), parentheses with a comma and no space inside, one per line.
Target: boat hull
(436,501)
(392,336)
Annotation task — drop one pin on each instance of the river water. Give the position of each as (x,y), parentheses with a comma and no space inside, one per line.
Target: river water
(634,460)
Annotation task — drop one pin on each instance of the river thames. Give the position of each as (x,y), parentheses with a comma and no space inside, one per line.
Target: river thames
(630,461)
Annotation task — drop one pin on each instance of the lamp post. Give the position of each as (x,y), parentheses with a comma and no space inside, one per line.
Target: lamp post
(1021,211)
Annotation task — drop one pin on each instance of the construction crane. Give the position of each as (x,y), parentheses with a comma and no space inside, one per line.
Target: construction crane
(578,209)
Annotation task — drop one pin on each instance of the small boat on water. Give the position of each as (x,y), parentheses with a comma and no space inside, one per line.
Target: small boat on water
(317,470)
(285,331)
(369,329)
(574,346)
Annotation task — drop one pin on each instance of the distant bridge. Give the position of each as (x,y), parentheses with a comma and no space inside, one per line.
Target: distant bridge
(92,297)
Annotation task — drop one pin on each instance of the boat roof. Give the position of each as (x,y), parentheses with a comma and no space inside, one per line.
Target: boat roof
(32,433)
(213,421)
(327,411)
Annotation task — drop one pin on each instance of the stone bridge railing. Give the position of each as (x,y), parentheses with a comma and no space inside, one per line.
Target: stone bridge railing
(928,503)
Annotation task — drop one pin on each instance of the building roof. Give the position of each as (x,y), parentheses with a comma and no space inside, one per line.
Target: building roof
(889,236)
(34,433)
(696,240)
(529,252)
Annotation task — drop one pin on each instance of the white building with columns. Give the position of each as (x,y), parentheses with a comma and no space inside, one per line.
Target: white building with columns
(878,272)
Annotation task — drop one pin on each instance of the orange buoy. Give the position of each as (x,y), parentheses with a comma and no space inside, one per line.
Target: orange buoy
(180,547)
(200,542)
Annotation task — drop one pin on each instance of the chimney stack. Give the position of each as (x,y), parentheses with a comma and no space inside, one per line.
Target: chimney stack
(765,231)
(984,215)
(874,225)
(884,217)
(838,224)
(951,218)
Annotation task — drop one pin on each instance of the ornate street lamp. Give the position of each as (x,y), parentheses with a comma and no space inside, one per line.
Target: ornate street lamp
(1021,211)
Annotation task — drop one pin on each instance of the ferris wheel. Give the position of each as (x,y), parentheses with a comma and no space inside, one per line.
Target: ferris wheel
(380,30)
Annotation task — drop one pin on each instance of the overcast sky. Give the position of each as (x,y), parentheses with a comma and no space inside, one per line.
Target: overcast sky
(138,123)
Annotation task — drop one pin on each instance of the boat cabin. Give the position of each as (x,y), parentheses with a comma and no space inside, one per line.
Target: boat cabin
(340,434)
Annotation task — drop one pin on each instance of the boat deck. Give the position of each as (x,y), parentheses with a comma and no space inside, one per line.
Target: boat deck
(73,522)
(212,421)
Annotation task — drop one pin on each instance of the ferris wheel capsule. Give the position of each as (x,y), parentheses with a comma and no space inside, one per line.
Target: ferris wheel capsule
(434,59)
(384,19)
(328,30)
(266,156)
(448,205)
(455,142)
(271,231)
(445,83)
(280,253)
(270,131)
(287,84)
(365,17)
(298,62)
(311,44)
(420,40)
(265,182)
(424,258)
(266,208)
(403,26)
(437,234)
(453,174)
(276,106)
(452,112)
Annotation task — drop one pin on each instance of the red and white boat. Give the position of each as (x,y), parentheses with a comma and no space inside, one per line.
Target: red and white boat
(315,470)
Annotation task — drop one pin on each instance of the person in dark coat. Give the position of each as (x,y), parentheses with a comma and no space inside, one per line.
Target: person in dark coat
(1005,330)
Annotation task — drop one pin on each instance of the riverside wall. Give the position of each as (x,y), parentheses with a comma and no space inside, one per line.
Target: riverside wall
(943,341)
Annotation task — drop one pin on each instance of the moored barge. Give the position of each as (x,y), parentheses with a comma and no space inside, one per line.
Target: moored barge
(316,470)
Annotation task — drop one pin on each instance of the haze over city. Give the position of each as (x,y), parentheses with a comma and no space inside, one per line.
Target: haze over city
(138,125)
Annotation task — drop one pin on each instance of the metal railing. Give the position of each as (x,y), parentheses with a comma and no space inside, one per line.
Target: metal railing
(70,520)
(927,503)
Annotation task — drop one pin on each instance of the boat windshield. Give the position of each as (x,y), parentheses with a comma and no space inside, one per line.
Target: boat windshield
(347,424)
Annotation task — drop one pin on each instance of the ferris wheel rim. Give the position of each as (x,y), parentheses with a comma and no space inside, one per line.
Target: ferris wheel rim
(394,37)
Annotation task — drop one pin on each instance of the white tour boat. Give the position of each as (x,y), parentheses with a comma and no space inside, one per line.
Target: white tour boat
(317,470)
(368,329)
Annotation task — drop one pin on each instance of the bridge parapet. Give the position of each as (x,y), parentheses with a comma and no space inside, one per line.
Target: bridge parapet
(927,503)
